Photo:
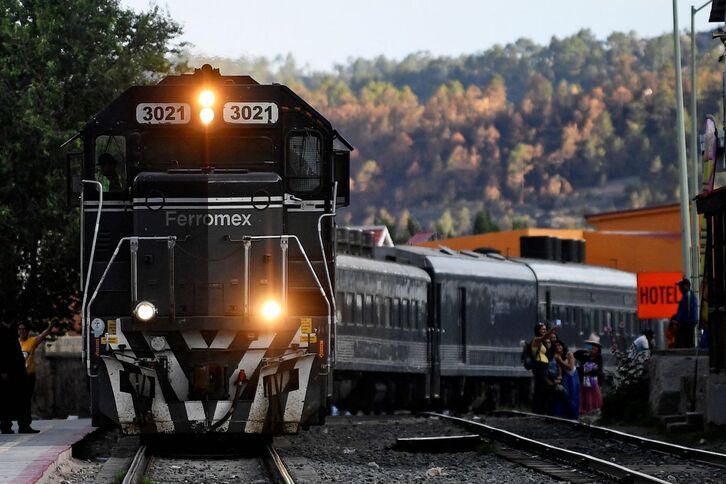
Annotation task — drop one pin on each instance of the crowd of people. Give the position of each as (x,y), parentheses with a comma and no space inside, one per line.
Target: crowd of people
(566,384)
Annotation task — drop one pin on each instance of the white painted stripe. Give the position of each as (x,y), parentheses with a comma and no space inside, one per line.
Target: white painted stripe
(305,209)
(220,411)
(195,410)
(263,341)
(203,207)
(223,339)
(296,398)
(177,378)
(124,402)
(205,200)
(104,209)
(112,203)
(159,407)
(194,340)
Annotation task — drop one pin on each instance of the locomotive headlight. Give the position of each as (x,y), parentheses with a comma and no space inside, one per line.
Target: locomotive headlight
(206,115)
(206,98)
(145,311)
(271,310)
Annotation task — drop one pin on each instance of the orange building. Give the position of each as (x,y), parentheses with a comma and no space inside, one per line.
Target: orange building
(639,240)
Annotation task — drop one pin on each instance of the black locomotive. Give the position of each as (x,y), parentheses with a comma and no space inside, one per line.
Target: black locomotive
(207,256)
(420,326)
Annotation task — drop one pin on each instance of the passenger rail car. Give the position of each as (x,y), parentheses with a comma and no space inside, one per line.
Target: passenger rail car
(207,256)
(382,329)
(479,311)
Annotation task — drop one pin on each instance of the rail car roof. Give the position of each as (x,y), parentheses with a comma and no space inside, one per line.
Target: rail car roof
(390,268)
(573,273)
(447,261)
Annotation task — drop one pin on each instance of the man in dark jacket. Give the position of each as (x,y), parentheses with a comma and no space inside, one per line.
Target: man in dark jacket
(12,372)
(687,316)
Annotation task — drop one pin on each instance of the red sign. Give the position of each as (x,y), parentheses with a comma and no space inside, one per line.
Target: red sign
(658,294)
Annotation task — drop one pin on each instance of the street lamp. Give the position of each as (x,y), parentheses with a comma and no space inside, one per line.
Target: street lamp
(695,151)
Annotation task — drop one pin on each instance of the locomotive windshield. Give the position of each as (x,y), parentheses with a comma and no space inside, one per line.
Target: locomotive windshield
(161,153)
(303,161)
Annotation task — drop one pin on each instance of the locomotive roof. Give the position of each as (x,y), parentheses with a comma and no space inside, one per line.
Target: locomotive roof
(574,273)
(183,88)
(391,268)
(469,264)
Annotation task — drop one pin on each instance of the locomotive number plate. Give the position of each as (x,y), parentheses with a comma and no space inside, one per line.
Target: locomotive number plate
(250,113)
(163,113)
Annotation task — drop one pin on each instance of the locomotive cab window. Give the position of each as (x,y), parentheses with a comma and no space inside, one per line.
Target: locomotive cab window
(304,157)
(110,158)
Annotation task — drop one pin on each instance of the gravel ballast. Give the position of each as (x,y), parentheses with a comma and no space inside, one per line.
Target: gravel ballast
(354,449)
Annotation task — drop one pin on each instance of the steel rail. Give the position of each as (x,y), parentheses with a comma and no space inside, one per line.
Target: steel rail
(277,466)
(582,461)
(706,456)
(138,467)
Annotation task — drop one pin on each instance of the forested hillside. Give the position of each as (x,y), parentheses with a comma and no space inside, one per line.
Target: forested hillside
(534,134)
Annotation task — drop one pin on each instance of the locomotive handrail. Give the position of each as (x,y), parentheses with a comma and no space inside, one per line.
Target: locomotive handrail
(247,239)
(135,239)
(334,327)
(99,186)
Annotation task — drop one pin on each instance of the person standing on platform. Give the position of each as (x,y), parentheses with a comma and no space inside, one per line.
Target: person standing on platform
(12,371)
(28,344)
(687,315)
(592,376)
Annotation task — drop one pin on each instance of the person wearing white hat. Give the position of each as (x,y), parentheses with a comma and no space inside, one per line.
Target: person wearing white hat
(592,373)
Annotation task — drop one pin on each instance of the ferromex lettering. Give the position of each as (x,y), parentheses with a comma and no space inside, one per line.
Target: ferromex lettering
(208,219)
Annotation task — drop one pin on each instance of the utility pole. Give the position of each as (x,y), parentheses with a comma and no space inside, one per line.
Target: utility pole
(683,166)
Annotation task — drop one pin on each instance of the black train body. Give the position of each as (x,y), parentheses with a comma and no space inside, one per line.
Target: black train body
(208,304)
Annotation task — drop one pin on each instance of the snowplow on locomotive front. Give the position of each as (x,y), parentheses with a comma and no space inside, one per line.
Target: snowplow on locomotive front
(207,206)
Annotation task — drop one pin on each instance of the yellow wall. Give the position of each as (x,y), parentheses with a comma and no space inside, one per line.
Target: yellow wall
(647,240)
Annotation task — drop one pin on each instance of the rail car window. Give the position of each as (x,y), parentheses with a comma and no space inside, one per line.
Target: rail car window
(339,306)
(110,157)
(304,157)
(358,309)
(387,313)
(171,152)
(348,308)
(368,311)
(414,315)
(396,313)
(405,317)
(378,321)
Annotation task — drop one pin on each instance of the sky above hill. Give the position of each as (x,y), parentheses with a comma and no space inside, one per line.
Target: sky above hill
(321,33)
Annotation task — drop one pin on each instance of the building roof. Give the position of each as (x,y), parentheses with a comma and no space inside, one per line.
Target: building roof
(632,212)
(420,237)
(381,236)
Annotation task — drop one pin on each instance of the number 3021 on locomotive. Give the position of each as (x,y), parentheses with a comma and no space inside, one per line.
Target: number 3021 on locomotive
(207,268)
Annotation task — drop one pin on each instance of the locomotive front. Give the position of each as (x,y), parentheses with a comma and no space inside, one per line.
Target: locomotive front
(207,256)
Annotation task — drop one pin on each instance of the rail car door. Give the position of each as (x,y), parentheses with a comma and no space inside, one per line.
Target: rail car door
(434,339)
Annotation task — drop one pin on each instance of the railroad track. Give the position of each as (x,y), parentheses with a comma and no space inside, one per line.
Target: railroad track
(265,466)
(574,455)
(669,462)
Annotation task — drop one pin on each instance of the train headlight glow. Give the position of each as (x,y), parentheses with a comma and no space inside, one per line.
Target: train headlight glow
(271,310)
(206,115)
(145,311)
(206,98)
